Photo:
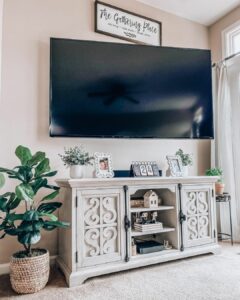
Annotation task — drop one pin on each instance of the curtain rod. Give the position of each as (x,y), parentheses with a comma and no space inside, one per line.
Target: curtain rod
(227,58)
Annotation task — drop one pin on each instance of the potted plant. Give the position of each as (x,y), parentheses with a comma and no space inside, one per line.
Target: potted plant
(187,160)
(29,268)
(77,159)
(219,185)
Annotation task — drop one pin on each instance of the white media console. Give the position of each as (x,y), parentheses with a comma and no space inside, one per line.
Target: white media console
(101,216)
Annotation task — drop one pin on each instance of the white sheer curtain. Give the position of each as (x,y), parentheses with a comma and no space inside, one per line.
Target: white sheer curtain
(227,137)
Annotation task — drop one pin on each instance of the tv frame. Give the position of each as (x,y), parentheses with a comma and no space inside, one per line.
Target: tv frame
(123,136)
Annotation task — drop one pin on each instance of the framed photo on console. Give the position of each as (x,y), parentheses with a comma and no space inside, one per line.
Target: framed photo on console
(103,165)
(175,165)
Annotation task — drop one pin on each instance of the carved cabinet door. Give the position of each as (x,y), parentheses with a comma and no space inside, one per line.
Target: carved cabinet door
(198,208)
(100,226)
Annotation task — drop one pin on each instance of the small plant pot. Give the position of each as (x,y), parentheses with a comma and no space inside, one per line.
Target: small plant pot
(77,171)
(29,274)
(219,188)
(185,171)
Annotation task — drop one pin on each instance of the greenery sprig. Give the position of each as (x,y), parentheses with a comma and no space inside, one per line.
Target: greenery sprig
(76,156)
(187,159)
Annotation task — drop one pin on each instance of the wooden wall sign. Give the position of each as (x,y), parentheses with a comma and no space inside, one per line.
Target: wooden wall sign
(126,25)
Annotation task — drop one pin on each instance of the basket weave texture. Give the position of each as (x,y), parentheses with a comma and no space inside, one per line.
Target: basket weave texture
(29,275)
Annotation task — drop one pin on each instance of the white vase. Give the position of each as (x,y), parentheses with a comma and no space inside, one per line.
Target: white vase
(185,171)
(77,171)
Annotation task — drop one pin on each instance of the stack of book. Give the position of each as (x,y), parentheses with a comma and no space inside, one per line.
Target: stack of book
(148,227)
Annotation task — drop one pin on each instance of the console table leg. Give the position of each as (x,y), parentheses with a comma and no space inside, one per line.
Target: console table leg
(230,215)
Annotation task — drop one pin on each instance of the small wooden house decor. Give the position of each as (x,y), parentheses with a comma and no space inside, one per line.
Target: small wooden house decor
(150,199)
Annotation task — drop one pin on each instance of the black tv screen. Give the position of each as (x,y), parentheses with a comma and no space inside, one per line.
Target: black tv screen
(100,89)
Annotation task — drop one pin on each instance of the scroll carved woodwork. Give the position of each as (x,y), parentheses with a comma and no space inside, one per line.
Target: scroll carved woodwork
(92,240)
(197,211)
(101,225)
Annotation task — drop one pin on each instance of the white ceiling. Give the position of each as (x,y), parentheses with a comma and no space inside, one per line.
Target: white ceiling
(205,12)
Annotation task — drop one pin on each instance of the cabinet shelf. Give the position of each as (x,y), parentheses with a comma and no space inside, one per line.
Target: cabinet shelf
(141,209)
(154,254)
(140,233)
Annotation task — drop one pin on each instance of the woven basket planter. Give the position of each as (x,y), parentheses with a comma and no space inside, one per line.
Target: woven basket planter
(29,275)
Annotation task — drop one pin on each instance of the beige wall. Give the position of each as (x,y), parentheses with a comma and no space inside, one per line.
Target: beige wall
(215,32)
(28,24)
(1,23)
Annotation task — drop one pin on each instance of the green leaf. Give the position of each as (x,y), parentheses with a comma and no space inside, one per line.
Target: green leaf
(42,167)
(12,231)
(37,157)
(3,204)
(50,216)
(2,180)
(24,154)
(7,194)
(29,238)
(57,224)
(29,226)
(52,187)
(25,192)
(14,217)
(8,204)
(8,171)
(51,225)
(24,173)
(38,225)
(38,183)
(31,215)
(49,174)
(14,201)
(49,207)
(50,196)
(3,225)
(25,226)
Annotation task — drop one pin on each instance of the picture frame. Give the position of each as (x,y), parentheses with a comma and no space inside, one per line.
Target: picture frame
(123,24)
(103,165)
(175,165)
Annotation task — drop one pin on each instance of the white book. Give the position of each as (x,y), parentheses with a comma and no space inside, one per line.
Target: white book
(148,227)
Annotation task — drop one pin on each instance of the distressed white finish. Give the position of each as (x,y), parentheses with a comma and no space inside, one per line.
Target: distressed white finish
(96,242)
(198,206)
(99,218)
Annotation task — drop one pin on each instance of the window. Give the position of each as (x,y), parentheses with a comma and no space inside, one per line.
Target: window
(231,40)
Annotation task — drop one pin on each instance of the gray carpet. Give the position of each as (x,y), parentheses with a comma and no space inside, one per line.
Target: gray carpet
(204,277)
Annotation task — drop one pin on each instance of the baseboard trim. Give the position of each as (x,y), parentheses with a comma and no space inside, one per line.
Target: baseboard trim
(4,268)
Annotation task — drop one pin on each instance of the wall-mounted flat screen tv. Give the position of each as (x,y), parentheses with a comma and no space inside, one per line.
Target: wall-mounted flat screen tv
(100,89)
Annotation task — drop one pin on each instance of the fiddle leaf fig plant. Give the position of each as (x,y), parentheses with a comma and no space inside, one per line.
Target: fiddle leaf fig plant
(32,175)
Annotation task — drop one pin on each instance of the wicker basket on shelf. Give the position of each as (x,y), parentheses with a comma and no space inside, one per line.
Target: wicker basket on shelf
(29,274)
